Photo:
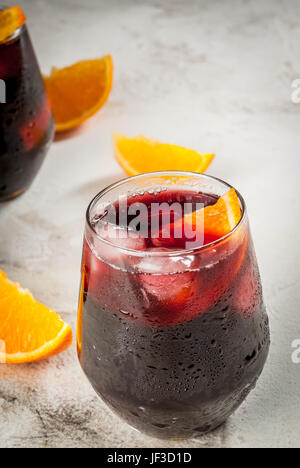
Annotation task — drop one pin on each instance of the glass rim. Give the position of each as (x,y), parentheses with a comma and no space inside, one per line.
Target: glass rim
(158,252)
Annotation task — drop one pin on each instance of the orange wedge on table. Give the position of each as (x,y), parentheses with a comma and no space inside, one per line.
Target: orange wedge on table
(10,20)
(29,331)
(79,91)
(139,155)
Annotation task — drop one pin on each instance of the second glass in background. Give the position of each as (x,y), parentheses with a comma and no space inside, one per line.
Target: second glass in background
(26,122)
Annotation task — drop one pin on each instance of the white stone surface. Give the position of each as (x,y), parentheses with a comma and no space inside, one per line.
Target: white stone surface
(212,75)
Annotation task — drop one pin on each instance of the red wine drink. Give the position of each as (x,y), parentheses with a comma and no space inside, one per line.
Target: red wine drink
(172,330)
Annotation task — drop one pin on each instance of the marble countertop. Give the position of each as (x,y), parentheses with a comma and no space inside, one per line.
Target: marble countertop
(211,75)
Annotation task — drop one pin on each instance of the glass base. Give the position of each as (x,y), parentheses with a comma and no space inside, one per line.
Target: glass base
(191,436)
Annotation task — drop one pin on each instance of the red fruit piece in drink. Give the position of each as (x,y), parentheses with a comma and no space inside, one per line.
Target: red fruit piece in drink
(180,297)
(169,296)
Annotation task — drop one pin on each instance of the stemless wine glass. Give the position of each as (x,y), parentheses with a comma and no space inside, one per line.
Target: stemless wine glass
(172,339)
(26,122)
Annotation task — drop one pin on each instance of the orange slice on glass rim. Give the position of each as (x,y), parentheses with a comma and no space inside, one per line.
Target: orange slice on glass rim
(10,20)
(219,219)
(29,331)
(140,155)
(213,222)
(77,92)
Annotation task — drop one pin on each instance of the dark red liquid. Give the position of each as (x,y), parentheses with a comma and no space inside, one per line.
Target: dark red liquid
(174,203)
(173,354)
(26,123)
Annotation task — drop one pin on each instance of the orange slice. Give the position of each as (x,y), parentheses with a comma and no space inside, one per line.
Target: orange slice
(29,331)
(139,155)
(219,219)
(77,92)
(10,20)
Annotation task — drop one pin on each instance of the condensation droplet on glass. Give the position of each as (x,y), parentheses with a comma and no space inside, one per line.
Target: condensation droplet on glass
(124,312)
